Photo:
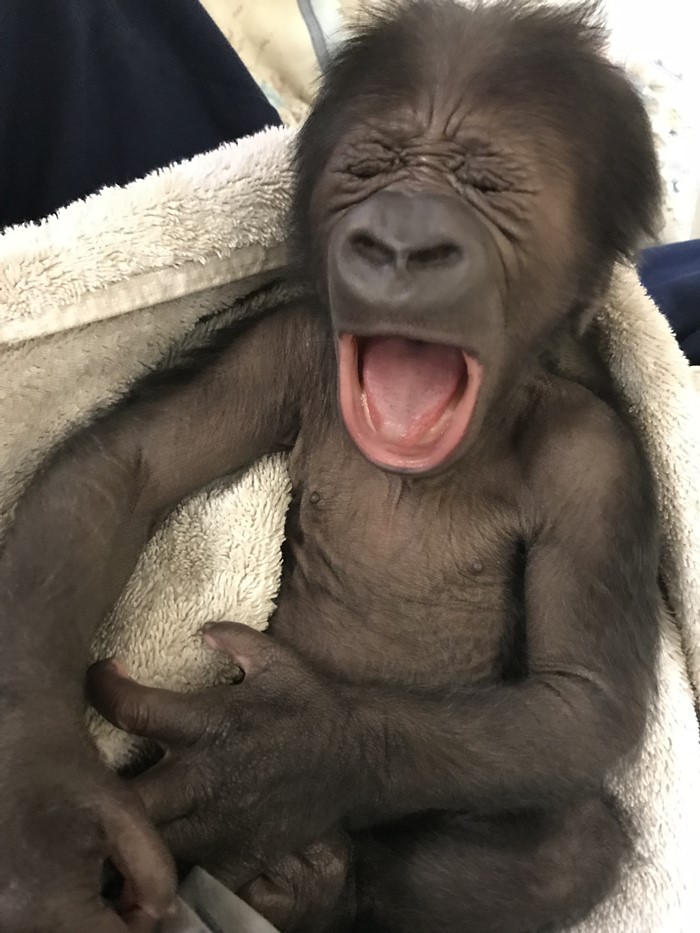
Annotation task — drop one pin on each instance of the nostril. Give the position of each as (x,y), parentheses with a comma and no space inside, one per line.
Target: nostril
(443,254)
(371,250)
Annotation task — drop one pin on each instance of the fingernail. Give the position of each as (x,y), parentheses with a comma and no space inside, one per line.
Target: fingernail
(207,631)
(119,668)
(158,913)
(209,640)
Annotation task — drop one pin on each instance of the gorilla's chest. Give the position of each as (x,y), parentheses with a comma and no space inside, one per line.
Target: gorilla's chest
(397,578)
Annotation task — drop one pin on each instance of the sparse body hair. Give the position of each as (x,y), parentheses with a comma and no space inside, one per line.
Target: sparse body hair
(465,637)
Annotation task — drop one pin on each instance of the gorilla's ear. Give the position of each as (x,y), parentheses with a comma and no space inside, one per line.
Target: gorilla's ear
(629,191)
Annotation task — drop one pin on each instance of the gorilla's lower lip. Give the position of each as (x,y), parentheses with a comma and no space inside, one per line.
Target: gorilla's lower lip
(423,426)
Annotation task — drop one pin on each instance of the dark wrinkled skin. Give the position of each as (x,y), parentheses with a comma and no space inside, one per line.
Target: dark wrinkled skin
(458,658)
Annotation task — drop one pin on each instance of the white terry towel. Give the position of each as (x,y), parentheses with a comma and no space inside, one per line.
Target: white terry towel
(97,295)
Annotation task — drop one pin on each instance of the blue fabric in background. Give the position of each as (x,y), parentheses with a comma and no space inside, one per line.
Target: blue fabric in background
(671,275)
(100,92)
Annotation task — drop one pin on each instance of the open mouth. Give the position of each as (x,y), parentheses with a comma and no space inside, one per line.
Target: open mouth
(406,404)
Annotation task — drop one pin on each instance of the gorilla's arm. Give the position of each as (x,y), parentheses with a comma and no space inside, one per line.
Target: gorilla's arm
(74,541)
(81,524)
(592,604)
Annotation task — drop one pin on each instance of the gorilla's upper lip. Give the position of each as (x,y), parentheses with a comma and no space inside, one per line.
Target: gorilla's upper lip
(435,419)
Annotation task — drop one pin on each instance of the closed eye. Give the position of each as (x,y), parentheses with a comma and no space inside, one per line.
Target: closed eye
(483,179)
(368,168)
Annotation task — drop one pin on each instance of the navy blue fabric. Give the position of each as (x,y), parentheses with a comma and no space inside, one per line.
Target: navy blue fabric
(671,275)
(99,92)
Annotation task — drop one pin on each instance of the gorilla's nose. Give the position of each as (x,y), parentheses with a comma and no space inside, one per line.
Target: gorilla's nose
(400,250)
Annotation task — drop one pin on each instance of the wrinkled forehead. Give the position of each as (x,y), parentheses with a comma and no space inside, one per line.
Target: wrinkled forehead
(459,99)
(447,122)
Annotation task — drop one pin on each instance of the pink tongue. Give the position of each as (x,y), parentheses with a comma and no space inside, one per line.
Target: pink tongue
(408,385)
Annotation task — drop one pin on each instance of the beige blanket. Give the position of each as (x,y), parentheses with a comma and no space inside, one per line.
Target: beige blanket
(94,297)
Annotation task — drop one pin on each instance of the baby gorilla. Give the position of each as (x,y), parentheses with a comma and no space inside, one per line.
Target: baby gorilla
(465,636)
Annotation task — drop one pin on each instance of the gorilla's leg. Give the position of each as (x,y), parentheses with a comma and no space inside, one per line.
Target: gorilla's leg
(518,874)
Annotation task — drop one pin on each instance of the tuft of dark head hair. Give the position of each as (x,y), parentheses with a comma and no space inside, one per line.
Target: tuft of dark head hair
(546,62)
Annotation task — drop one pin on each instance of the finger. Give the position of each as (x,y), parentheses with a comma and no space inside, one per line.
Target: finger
(134,918)
(271,900)
(150,712)
(190,840)
(139,922)
(251,650)
(186,838)
(142,857)
(166,790)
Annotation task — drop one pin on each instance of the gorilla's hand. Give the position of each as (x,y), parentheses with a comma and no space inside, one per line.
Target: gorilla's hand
(63,815)
(251,772)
